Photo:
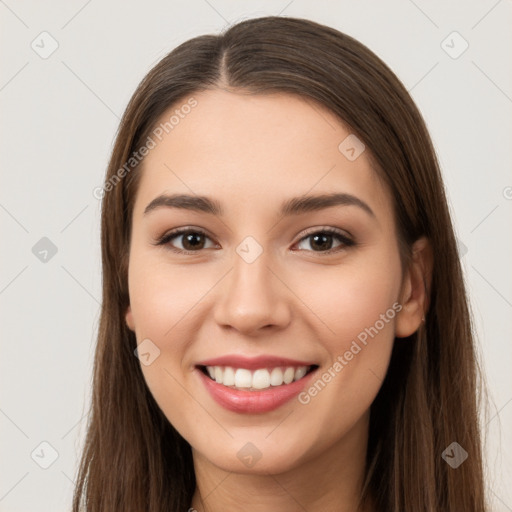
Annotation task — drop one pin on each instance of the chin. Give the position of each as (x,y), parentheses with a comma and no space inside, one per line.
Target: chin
(248,459)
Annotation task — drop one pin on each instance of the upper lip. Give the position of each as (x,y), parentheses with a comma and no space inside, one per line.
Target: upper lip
(253,363)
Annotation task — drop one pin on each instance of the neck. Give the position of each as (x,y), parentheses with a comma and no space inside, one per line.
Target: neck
(329,481)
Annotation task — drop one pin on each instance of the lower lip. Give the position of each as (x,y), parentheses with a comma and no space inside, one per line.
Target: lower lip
(254,401)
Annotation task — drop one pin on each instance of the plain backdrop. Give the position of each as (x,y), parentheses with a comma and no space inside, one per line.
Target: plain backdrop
(68,70)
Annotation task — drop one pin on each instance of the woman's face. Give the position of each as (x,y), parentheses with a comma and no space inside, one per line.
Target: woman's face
(267,290)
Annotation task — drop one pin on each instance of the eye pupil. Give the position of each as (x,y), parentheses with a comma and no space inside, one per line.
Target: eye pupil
(192,240)
(326,239)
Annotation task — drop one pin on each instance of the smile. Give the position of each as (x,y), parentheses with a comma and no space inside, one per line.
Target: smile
(267,385)
(258,379)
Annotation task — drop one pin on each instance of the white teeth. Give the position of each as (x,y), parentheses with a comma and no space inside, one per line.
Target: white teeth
(262,378)
(300,372)
(243,378)
(229,376)
(289,374)
(276,377)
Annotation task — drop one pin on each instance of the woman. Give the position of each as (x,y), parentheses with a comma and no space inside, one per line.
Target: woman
(278,255)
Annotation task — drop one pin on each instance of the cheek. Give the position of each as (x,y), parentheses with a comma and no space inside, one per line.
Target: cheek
(360,308)
(355,298)
(160,296)
(358,304)
(162,303)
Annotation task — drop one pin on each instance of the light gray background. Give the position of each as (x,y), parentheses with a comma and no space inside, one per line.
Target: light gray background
(59,116)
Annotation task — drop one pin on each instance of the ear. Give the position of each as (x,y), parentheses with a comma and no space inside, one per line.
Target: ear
(129,318)
(414,296)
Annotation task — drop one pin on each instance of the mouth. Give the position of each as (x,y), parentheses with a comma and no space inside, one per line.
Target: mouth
(254,385)
(258,379)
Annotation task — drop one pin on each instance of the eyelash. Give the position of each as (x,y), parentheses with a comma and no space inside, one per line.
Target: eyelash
(346,241)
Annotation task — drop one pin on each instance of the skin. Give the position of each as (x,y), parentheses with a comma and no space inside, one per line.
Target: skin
(250,153)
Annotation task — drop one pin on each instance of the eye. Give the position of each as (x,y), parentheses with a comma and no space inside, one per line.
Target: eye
(322,240)
(192,240)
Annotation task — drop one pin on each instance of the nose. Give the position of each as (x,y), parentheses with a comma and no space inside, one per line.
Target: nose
(252,297)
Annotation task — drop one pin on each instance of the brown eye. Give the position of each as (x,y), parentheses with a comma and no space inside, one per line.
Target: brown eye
(322,240)
(191,240)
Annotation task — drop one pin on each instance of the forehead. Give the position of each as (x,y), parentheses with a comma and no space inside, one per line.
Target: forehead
(247,149)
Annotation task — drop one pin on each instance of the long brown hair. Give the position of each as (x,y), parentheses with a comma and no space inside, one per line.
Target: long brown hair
(133,458)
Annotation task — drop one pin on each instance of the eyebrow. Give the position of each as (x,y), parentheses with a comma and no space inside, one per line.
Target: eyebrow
(293,206)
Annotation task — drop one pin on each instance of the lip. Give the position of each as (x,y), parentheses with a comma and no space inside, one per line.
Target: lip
(254,402)
(253,363)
